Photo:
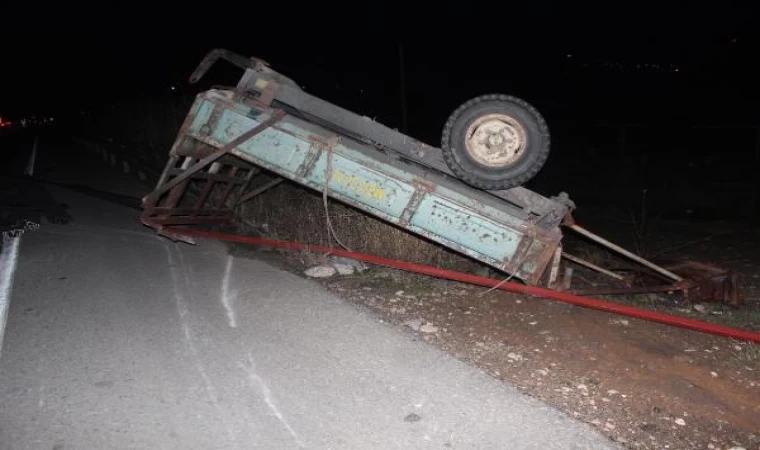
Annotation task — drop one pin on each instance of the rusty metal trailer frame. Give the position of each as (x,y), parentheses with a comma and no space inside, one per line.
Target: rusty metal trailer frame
(223,144)
(226,141)
(220,156)
(263,86)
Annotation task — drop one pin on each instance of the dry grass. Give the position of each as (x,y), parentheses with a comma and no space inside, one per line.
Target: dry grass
(747,353)
(291,212)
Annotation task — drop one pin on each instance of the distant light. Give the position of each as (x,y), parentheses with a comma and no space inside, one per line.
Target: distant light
(174,88)
(569,55)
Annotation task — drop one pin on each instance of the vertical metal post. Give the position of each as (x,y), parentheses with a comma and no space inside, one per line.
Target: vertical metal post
(175,194)
(207,188)
(567,279)
(554,272)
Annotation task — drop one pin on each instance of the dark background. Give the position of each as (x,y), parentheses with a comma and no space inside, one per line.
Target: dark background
(656,96)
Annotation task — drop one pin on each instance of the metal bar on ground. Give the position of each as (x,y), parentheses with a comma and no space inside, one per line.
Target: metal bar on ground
(600,240)
(631,290)
(592,266)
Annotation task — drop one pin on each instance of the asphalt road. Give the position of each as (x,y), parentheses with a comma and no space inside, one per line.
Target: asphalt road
(120,339)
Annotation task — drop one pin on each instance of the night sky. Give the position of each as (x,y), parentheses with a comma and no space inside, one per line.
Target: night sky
(620,62)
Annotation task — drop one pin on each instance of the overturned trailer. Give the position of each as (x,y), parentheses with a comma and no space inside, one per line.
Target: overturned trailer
(466,195)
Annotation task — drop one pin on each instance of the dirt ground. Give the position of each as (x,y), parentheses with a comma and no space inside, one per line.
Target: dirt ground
(644,385)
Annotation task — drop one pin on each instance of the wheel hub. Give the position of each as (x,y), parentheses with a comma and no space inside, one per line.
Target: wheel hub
(495,140)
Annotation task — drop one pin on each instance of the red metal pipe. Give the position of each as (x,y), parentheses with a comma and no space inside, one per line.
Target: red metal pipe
(550,294)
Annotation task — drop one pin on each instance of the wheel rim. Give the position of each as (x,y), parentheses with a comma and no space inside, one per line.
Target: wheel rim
(495,140)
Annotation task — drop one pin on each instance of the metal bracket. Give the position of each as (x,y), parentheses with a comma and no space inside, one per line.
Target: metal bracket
(219,53)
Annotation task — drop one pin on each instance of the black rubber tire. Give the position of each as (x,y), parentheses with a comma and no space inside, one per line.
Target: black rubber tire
(465,168)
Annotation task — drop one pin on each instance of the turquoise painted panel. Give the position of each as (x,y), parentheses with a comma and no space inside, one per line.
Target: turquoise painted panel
(465,227)
(467,203)
(273,146)
(203,112)
(354,181)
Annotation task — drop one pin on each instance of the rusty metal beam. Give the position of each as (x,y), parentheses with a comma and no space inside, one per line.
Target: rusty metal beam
(600,240)
(629,290)
(188,220)
(592,266)
(160,210)
(275,117)
(260,190)
(209,176)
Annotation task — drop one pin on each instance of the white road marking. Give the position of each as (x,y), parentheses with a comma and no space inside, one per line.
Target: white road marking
(226,296)
(258,382)
(8,262)
(182,310)
(32,158)
(9,259)
(255,380)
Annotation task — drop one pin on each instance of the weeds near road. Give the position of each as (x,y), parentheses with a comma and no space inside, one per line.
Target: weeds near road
(747,353)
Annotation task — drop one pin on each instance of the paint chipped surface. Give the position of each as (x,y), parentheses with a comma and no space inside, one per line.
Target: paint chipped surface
(359,186)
